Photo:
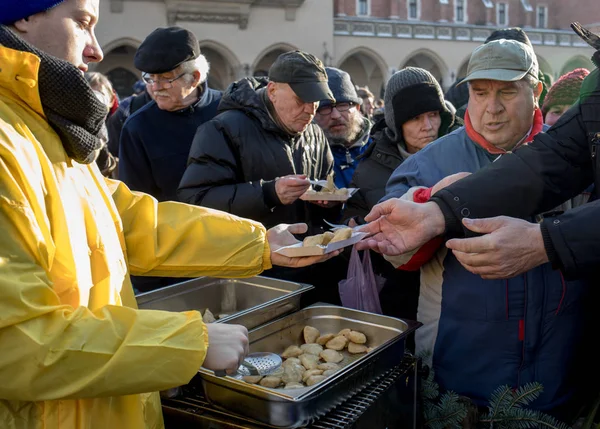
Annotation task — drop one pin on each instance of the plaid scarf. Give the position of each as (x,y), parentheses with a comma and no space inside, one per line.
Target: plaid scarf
(69,103)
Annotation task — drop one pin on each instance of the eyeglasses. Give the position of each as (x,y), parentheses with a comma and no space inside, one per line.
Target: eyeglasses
(165,83)
(340,107)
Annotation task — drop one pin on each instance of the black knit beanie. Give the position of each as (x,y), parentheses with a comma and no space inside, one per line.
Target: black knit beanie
(409,93)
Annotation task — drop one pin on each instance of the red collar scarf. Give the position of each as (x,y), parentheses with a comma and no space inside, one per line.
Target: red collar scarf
(538,124)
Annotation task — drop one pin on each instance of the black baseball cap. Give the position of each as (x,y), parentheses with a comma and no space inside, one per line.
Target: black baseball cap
(304,73)
(165,49)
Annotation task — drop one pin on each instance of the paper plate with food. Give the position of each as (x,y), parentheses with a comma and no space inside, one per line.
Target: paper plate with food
(327,242)
(325,190)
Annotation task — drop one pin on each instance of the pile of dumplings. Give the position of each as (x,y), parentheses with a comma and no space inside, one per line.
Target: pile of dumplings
(330,188)
(328,237)
(315,360)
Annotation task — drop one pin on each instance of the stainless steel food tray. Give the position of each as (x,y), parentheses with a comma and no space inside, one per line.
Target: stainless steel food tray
(249,302)
(294,408)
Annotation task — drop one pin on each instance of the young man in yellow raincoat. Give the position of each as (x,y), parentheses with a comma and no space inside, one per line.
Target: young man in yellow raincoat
(76,352)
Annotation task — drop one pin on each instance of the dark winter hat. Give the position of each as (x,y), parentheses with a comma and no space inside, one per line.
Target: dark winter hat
(13,10)
(457,94)
(504,60)
(165,49)
(409,93)
(341,87)
(511,33)
(565,90)
(304,73)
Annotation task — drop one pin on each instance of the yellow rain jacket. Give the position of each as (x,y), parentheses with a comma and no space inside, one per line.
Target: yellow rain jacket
(75,351)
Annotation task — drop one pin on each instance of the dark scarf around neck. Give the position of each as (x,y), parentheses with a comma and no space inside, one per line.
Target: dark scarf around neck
(68,101)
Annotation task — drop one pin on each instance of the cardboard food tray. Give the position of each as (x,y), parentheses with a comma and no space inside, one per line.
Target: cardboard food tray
(297,250)
(312,195)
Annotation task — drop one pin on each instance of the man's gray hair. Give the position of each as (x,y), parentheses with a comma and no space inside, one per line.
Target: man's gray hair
(199,64)
(531,80)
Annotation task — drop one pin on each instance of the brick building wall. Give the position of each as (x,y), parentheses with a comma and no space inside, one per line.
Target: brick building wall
(560,13)
(566,11)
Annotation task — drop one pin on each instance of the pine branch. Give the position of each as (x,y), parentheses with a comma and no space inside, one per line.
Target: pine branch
(526,394)
(500,400)
(429,388)
(450,412)
(520,418)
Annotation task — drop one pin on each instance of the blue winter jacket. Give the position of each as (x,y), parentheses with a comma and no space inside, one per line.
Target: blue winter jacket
(497,332)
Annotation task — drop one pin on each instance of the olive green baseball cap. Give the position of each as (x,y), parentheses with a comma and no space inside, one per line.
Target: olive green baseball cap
(505,60)
(304,73)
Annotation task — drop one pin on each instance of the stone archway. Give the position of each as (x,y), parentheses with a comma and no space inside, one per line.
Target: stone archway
(366,68)
(431,62)
(266,58)
(575,63)
(118,66)
(122,81)
(224,65)
(462,70)
(545,66)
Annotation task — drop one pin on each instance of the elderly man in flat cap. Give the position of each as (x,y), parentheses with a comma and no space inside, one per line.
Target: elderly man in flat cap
(516,330)
(155,141)
(256,157)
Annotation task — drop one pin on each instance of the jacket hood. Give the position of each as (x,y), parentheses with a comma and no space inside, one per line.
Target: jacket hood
(245,95)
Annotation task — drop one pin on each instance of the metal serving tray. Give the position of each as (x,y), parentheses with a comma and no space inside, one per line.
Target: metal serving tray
(249,302)
(293,408)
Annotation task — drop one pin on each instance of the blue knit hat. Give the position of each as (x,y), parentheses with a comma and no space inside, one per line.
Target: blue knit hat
(340,84)
(14,10)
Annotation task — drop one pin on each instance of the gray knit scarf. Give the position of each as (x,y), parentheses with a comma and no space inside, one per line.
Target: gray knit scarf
(69,103)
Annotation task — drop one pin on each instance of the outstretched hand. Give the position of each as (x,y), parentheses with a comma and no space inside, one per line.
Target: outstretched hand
(282,235)
(399,226)
(509,247)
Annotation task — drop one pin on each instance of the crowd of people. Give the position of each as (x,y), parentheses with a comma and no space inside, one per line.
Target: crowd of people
(103,198)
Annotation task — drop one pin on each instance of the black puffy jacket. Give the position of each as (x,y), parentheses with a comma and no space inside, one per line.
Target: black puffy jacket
(236,157)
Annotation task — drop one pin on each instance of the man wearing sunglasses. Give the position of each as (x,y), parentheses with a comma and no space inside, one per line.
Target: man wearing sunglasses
(344,125)
(155,141)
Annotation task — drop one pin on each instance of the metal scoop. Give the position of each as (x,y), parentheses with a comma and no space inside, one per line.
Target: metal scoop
(256,364)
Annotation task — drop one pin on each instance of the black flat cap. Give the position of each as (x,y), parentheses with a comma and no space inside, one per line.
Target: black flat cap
(304,73)
(165,49)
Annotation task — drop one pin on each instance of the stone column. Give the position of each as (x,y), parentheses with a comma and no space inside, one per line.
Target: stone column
(490,15)
(340,10)
(529,18)
(394,9)
(445,12)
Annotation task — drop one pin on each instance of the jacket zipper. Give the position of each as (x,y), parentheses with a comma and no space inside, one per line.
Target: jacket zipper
(595,141)
(349,159)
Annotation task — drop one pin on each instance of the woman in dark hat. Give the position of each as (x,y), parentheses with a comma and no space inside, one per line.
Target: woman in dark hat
(415,114)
